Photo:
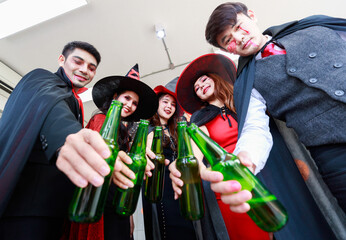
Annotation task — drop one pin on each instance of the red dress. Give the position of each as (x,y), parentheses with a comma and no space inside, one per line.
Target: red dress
(239,225)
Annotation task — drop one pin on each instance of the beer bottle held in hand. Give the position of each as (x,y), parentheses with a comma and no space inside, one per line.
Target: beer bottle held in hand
(125,200)
(191,201)
(88,203)
(154,185)
(266,211)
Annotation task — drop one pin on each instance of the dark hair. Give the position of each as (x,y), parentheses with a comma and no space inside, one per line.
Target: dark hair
(171,124)
(223,91)
(124,137)
(81,45)
(223,16)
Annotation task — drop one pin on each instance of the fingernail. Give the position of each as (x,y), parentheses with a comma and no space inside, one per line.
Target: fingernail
(132,176)
(104,170)
(105,154)
(235,185)
(132,185)
(82,182)
(97,181)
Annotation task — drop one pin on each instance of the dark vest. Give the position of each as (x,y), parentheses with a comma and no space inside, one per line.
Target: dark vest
(307,87)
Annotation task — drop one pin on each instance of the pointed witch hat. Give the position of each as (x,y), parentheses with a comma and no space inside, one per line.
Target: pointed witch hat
(104,90)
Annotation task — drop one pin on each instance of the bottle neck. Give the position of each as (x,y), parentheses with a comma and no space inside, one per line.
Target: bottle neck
(140,140)
(156,146)
(109,130)
(212,151)
(184,144)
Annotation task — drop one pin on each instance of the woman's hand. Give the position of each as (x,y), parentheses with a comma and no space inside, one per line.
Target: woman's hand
(150,165)
(123,177)
(177,183)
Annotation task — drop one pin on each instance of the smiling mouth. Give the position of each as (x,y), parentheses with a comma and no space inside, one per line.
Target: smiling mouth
(205,89)
(81,78)
(246,44)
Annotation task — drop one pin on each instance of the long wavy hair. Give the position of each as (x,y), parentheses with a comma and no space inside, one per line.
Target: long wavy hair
(171,124)
(223,91)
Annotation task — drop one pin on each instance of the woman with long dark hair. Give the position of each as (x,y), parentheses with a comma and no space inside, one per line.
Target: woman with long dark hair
(162,220)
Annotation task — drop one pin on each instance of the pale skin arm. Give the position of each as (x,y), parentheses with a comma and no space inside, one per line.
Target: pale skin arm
(82,156)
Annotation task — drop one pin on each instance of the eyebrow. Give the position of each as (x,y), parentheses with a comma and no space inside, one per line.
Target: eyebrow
(84,60)
(233,25)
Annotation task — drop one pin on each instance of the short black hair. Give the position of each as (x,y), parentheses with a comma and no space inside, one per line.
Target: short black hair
(223,16)
(84,46)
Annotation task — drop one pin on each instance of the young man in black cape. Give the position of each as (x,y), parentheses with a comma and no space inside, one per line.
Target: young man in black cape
(43,119)
(297,71)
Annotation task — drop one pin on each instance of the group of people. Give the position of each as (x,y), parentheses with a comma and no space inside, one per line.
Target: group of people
(292,72)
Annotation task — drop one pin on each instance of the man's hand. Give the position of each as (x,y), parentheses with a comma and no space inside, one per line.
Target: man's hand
(82,156)
(231,192)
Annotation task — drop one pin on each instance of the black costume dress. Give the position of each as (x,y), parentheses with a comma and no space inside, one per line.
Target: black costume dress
(163,220)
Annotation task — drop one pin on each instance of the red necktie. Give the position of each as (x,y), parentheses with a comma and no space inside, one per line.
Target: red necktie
(269,50)
(80,103)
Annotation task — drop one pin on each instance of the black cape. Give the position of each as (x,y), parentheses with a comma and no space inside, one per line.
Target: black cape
(22,119)
(281,174)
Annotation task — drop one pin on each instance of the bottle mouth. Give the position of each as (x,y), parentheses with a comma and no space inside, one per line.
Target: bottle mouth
(116,102)
(192,127)
(181,123)
(144,121)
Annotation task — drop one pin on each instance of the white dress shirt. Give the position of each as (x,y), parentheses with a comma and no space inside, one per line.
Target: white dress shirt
(255,137)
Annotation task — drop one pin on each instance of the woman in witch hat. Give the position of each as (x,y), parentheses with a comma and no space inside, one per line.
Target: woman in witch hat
(162,220)
(205,90)
(139,102)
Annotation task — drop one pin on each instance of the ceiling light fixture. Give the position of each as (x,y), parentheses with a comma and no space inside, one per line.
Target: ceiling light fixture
(17,15)
(161,33)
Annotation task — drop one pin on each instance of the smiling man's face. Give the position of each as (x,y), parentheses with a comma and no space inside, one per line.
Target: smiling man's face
(80,67)
(244,38)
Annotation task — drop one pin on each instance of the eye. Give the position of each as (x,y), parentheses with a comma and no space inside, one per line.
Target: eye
(135,103)
(92,68)
(127,98)
(78,61)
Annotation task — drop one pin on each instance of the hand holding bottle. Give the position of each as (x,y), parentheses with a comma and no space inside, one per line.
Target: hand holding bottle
(122,177)
(82,158)
(230,190)
(266,210)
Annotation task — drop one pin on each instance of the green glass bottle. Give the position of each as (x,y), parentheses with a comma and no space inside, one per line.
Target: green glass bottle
(125,200)
(191,201)
(154,185)
(88,203)
(266,211)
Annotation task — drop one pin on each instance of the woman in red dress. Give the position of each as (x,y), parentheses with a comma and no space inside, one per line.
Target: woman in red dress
(205,90)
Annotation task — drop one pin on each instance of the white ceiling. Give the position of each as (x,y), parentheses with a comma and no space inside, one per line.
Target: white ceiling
(123,32)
